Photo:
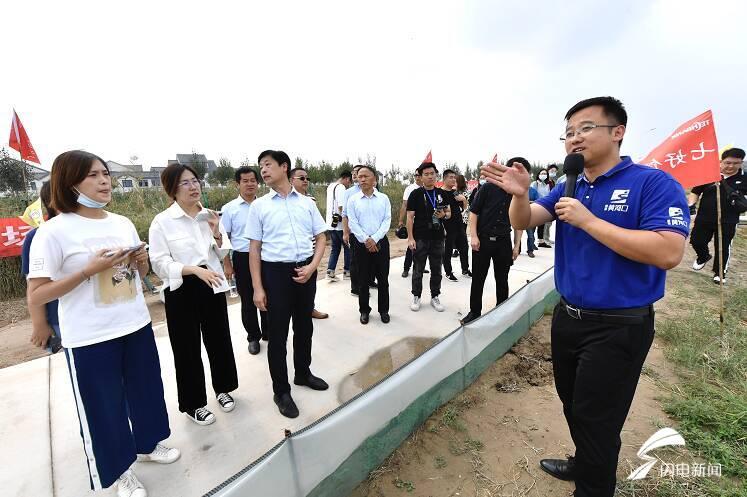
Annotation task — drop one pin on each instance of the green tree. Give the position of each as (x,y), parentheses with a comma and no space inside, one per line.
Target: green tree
(198,164)
(223,173)
(13,173)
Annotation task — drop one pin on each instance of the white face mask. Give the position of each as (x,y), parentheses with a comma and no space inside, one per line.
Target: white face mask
(553,174)
(543,177)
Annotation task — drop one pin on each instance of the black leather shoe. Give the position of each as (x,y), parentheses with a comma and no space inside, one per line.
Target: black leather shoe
(313,382)
(254,347)
(364,318)
(561,469)
(385,317)
(471,316)
(265,337)
(285,404)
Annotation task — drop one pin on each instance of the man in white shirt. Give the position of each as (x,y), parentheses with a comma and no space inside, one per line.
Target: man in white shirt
(335,197)
(402,212)
(283,267)
(233,217)
(369,218)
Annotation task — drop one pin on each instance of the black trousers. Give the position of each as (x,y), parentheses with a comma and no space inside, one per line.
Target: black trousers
(500,253)
(194,311)
(701,236)
(456,238)
(356,273)
(376,263)
(246,293)
(596,366)
(286,299)
(433,251)
(408,259)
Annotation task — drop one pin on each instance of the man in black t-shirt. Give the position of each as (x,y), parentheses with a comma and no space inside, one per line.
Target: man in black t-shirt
(707,219)
(427,208)
(490,237)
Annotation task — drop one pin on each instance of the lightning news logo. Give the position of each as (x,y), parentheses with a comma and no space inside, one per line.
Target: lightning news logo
(667,437)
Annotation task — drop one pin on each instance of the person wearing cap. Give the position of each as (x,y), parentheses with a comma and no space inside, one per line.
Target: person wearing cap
(283,265)
(624,227)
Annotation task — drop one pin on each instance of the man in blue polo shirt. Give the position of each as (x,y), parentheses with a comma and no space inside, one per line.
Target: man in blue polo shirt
(624,228)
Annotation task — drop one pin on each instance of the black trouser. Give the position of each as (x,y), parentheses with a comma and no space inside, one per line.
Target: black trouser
(355,268)
(376,263)
(246,292)
(456,238)
(596,366)
(408,259)
(286,299)
(500,252)
(193,310)
(433,250)
(701,236)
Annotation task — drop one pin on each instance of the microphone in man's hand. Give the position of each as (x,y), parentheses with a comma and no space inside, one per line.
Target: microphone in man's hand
(572,167)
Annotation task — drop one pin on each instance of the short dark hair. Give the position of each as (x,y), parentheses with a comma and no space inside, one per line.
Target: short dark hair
(611,106)
(246,170)
(356,167)
(553,166)
(737,153)
(293,171)
(45,194)
(448,171)
(520,160)
(278,156)
(170,177)
(427,165)
(69,169)
(417,172)
(346,174)
(373,171)
(461,182)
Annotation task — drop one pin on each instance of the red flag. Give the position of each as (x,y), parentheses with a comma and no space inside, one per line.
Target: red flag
(690,154)
(495,158)
(19,140)
(428,158)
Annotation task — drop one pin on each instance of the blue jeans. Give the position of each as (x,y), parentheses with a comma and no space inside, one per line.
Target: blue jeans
(531,247)
(336,237)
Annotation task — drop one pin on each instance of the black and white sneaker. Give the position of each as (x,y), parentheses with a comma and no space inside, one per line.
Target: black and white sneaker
(467,273)
(226,402)
(201,416)
(697,265)
(451,277)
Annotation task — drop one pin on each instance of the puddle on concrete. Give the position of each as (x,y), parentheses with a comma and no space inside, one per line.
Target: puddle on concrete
(381,363)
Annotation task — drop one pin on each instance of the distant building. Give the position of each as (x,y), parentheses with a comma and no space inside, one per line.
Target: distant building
(193,159)
(131,176)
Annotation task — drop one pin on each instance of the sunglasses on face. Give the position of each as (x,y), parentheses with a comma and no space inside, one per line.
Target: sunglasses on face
(302,178)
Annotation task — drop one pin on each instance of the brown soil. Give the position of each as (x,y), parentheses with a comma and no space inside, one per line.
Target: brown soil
(15,325)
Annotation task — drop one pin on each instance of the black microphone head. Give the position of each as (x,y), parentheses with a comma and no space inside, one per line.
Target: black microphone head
(573,165)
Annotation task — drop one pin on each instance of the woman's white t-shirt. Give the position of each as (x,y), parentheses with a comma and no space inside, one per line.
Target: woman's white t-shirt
(109,304)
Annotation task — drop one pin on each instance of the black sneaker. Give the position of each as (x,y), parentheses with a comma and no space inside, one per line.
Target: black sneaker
(425,271)
(405,273)
(455,254)
(451,277)
(467,273)
(469,317)
(201,416)
(226,402)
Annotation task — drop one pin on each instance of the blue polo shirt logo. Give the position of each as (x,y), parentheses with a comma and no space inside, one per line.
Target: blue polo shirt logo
(589,274)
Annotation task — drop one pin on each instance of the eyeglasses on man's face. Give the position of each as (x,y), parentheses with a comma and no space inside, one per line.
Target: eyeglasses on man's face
(189,182)
(302,178)
(584,130)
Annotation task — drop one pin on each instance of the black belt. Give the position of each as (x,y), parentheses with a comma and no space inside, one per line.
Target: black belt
(302,263)
(633,315)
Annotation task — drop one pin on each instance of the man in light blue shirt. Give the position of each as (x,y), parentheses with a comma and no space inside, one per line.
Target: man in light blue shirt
(234,216)
(369,217)
(354,270)
(283,266)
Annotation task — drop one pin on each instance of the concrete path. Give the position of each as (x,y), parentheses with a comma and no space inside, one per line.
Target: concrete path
(43,452)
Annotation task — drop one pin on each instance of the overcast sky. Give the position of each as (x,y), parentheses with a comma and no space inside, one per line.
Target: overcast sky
(341,79)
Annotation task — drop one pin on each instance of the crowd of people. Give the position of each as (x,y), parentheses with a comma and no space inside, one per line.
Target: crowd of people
(92,262)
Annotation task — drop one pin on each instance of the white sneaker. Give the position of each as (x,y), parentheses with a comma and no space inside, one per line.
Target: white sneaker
(161,454)
(697,266)
(415,306)
(129,486)
(436,304)
(226,402)
(717,280)
(331,275)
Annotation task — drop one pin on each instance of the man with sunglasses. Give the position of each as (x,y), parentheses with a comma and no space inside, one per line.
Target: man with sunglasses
(624,227)
(300,181)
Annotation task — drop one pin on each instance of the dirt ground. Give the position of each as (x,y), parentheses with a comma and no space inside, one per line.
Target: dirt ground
(488,441)
(15,325)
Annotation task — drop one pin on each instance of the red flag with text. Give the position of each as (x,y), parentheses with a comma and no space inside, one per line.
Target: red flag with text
(12,232)
(19,140)
(428,157)
(690,154)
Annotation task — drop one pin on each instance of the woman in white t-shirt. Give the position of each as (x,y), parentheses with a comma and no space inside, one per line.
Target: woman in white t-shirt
(187,245)
(92,261)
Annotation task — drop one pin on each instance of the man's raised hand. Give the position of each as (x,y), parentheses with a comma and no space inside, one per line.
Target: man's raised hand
(514,180)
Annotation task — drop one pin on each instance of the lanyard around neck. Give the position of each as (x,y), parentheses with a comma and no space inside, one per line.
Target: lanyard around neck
(431,200)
